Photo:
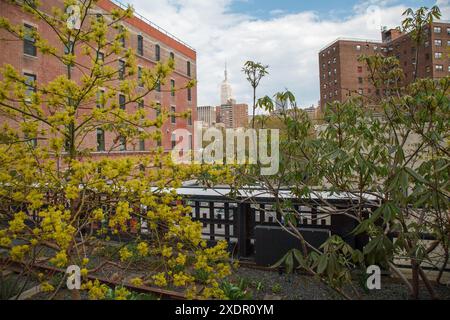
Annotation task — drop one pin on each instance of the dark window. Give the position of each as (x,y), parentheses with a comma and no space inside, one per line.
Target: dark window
(360,80)
(360,69)
(157,52)
(172,56)
(29,41)
(172,88)
(122,144)
(68,47)
(100,57)
(173,119)
(140,45)
(141,104)
(30,82)
(122,102)
(189,120)
(158,86)
(32,142)
(141,145)
(121,69)
(173,140)
(189,94)
(188,67)
(122,36)
(100,99)
(140,82)
(158,110)
(100,140)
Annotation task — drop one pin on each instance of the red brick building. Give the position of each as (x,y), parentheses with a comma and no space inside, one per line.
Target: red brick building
(233,115)
(343,76)
(151,44)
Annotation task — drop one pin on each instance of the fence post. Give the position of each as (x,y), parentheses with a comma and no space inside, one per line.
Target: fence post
(243,224)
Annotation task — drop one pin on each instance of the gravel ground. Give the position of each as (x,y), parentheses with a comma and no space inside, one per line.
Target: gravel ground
(272,285)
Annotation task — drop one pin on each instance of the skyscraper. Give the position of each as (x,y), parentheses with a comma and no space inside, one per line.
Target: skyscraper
(226,94)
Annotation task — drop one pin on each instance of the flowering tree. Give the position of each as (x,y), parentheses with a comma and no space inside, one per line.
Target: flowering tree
(58,203)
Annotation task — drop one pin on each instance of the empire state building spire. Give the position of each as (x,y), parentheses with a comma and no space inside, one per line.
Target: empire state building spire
(225,91)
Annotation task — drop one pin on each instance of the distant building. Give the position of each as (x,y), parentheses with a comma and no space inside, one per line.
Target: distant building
(312,112)
(207,114)
(343,76)
(233,115)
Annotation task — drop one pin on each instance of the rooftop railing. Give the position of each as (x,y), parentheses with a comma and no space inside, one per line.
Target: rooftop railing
(154,25)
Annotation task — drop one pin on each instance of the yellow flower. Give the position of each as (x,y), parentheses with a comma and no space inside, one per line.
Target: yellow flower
(47,287)
(121,293)
(137,282)
(85,261)
(60,260)
(181,259)
(84,272)
(181,279)
(142,249)
(18,252)
(166,252)
(18,223)
(125,254)
(160,279)
(97,291)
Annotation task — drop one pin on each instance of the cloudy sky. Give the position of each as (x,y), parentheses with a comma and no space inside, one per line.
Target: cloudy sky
(284,34)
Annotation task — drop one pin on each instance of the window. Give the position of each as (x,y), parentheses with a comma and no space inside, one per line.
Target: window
(68,47)
(448,43)
(100,140)
(189,120)
(100,98)
(334,60)
(438,55)
(121,69)
(427,44)
(140,82)
(325,86)
(29,47)
(323,66)
(140,45)
(158,86)
(188,68)
(173,140)
(448,68)
(173,119)
(360,91)
(189,94)
(190,142)
(141,145)
(438,43)
(437,29)
(157,52)
(358,48)
(122,144)
(360,69)
(99,17)
(172,56)
(122,36)
(141,104)
(427,56)
(100,57)
(360,80)
(439,67)
(30,82)
(427,69)
(32,142)
(448,31)
(375,48)
(335,71)
(172,88)
(122,104)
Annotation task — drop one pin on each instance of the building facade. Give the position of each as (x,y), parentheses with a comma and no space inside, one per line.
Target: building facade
(207,115)
(233,115)
(151,44)
(342,76)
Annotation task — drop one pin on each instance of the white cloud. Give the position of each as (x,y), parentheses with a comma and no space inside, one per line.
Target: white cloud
(288,43)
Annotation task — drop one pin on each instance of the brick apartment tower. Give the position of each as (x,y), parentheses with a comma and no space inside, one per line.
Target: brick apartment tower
(343,76)
(157,45)
(233,115)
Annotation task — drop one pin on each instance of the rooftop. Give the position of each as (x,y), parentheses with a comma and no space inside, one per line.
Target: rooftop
(154,25)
